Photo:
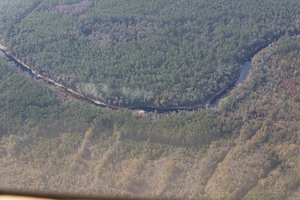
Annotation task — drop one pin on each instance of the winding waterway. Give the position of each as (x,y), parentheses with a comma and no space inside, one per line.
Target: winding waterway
(243,76)
(213,101)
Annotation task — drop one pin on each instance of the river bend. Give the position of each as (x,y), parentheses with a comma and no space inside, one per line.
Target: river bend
(211,102)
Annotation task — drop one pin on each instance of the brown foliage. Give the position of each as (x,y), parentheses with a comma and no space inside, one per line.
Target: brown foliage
(74,9)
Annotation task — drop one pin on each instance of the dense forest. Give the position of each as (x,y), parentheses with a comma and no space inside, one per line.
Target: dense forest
(143,52)
(34,115)
(246,148)
(151,52)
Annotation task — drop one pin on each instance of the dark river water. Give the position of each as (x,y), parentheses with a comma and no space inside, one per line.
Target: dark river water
(17,65)
(243,76)
(212,102)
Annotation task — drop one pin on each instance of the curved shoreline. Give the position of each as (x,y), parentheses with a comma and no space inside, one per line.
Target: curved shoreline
(216,96)
(77,95)
(145,108)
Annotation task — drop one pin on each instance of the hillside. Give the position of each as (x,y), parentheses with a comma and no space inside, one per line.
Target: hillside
(247,148)
(158,53)
(162,53)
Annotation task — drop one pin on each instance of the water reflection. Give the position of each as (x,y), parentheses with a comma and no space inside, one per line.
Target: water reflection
(244,73)
(243,76)
(17,65)
(212,103)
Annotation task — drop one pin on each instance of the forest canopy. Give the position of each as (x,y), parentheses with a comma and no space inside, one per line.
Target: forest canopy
(50,142)
(143,52)
(159,53)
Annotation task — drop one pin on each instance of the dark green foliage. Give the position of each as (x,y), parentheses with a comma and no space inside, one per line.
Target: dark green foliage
(25,104)
(147,52)
(197,129)
(28,106)
(154,52)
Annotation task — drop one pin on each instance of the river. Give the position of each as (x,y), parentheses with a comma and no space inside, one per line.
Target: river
(243,76)
(17,65)
(212,102)
(244,73)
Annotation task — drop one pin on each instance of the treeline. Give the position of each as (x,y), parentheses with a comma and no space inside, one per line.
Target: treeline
(28,106)
(62,135)
(147,52)
(268,140)
(246,148)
